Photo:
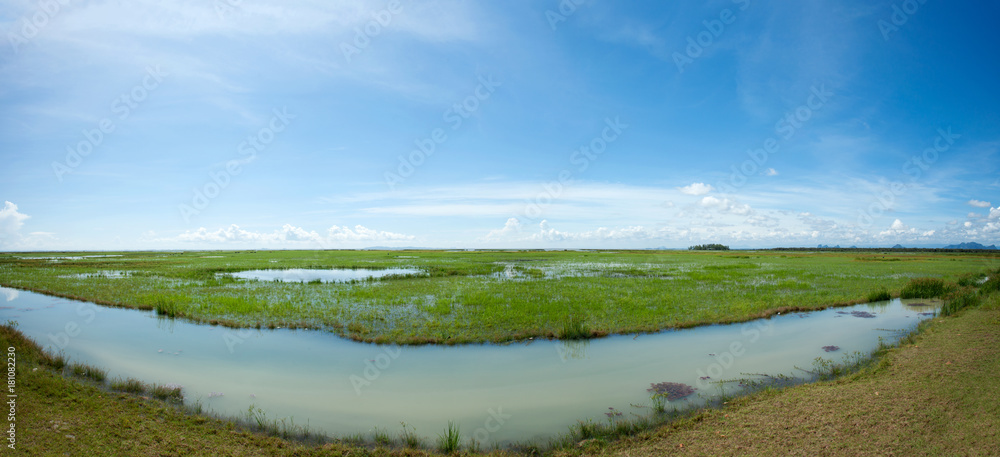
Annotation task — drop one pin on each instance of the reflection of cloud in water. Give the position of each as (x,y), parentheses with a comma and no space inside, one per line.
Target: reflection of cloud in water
(11,294)
(572,349)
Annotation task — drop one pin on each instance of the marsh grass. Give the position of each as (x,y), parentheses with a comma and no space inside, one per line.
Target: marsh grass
(879,295)
(450,441)
(457,299)
(574,329)
(129,385)
(409,437)
(167,393)
(925,288)
(88,371)
(964,299)
(381,437)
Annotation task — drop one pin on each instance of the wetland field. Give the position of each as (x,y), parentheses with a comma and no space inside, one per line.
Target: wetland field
(457,297)
(519,351)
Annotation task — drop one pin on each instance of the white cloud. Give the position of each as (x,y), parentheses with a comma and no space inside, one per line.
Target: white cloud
(289,235)
(698,188)
(770,172)
(726,205)
(979,203)
(511,227)
(11,221)
(898,225)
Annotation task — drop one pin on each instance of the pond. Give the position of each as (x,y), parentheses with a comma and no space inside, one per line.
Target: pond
(496,393)
(331,275)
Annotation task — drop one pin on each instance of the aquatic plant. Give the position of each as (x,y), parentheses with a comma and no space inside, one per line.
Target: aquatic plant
(924,288)
(380,436)
(831,348)
(671,390)
(659,403)
(449,441)
(879,295)
(167,392)
(966,299)
(574,329)
(88,371)
(409,437)
(130,385)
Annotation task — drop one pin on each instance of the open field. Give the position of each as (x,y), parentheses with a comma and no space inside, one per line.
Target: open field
(468,297)
(934,395)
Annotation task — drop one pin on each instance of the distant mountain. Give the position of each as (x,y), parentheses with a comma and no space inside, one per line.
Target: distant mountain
(898,246)
(971,245)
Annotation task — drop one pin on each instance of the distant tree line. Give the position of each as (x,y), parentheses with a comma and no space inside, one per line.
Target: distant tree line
(709,247)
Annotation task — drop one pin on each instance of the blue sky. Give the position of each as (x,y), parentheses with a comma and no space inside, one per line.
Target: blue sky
(231,124)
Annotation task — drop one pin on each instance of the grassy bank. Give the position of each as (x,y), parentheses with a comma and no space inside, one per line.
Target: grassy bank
(467,297)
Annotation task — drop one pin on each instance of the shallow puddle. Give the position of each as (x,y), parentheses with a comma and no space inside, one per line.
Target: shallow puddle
(496,393)
(331,275)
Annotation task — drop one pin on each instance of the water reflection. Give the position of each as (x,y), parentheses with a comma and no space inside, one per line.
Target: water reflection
(572,349)
(10,294)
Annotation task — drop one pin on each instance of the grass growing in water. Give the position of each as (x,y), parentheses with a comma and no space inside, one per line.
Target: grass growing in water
(88,371)
(574,329)
(130,385)
(879,295)
(450,441)
(409,437)
(924,288)
(167,393)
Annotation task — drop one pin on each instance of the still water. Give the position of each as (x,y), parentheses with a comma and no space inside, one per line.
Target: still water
(497,393)
(331,275)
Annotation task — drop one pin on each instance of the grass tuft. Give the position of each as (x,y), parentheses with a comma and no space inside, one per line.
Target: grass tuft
(574,329)
(449,441)
(879,295)
(167,393)
(86,371)
(409,437)
(966,299)
(924,288)
(130,385)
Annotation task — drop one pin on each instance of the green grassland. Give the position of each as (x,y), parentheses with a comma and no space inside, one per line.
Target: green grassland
(491,296)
